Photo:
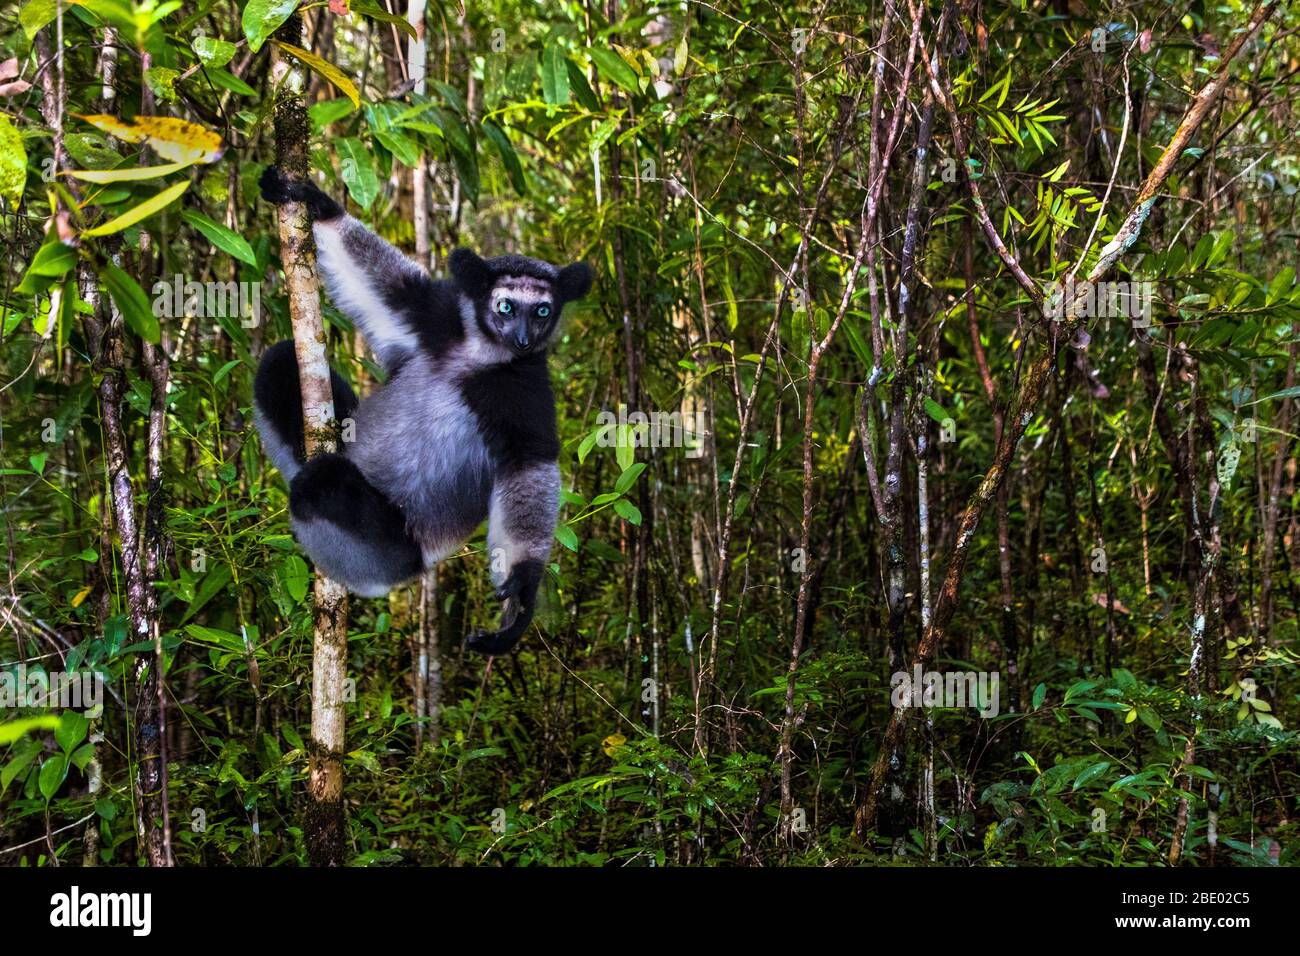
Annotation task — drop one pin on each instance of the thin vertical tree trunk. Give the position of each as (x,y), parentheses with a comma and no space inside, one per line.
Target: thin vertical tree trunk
(324,823)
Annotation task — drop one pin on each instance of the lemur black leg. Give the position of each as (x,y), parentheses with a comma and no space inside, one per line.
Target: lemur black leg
(277,404)
(521,525)
(385,293)
(352,532)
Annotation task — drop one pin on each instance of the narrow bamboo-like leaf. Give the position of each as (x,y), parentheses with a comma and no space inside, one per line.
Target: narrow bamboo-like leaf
(153,204)
(134,174)
(325,69)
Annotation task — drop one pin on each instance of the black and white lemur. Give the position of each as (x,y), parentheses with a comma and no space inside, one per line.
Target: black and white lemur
(463,429)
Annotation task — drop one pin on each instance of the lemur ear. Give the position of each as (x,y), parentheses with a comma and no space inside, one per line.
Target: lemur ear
(574,281)
(471,273)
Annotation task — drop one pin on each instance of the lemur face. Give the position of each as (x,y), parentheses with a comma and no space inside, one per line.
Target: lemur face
(517,300)
(521,313)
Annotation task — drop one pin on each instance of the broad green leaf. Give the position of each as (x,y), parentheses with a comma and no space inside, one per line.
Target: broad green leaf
(358,171)
(628,510)
(1040,692)
(71,730)
(555,78)
(36,14)
(212,51)
(52,261)
(614,68)
(1091,774)
(936,411)
(131,302)
(53,773)
(264,17)
(368,8)
(13,162)
(565,535)
(629,477)
(223,238)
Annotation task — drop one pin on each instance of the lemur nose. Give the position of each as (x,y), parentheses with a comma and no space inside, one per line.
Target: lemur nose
(521,339)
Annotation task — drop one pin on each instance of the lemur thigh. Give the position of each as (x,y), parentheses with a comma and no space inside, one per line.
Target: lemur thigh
(352,532)
(277,403)
(377,286)
(521,525)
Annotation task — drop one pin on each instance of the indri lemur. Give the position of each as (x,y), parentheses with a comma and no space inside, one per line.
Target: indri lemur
(463,429)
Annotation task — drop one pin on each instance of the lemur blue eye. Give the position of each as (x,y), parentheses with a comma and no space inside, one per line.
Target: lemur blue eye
(505,306)
(543,310)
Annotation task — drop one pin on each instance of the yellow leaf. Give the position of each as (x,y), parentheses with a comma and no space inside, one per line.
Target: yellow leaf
(611,743)
(325,69)
(1131,716)
(80,596)
(125,175)
(143,211)
(171,138)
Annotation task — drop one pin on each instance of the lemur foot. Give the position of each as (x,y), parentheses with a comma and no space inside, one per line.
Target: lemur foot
(278,188)
(518,597)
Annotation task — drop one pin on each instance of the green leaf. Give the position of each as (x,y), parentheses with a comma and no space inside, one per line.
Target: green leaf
(131,174)
(358,172)
(400,145)
(52,261)
(53,773)
(13,162)
(581,88)
(565,535)
(131,302)
(368,8)
(625,447)
(497,137)
(588,443)
(1091,774)
(325,69)
(614,68)
(213,52)
(153,204)
(223,238)
(626,509)
(264,17)
(628,478)
(1040,692)
(71,730)
(228,81)
(36,14)
(17,728)
(24,754)
(936,411)
(296,577)
(555,78)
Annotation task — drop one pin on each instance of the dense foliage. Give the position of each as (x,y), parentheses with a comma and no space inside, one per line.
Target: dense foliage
(778,201)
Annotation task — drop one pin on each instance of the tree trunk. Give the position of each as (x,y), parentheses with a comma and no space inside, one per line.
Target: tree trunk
(324,824)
